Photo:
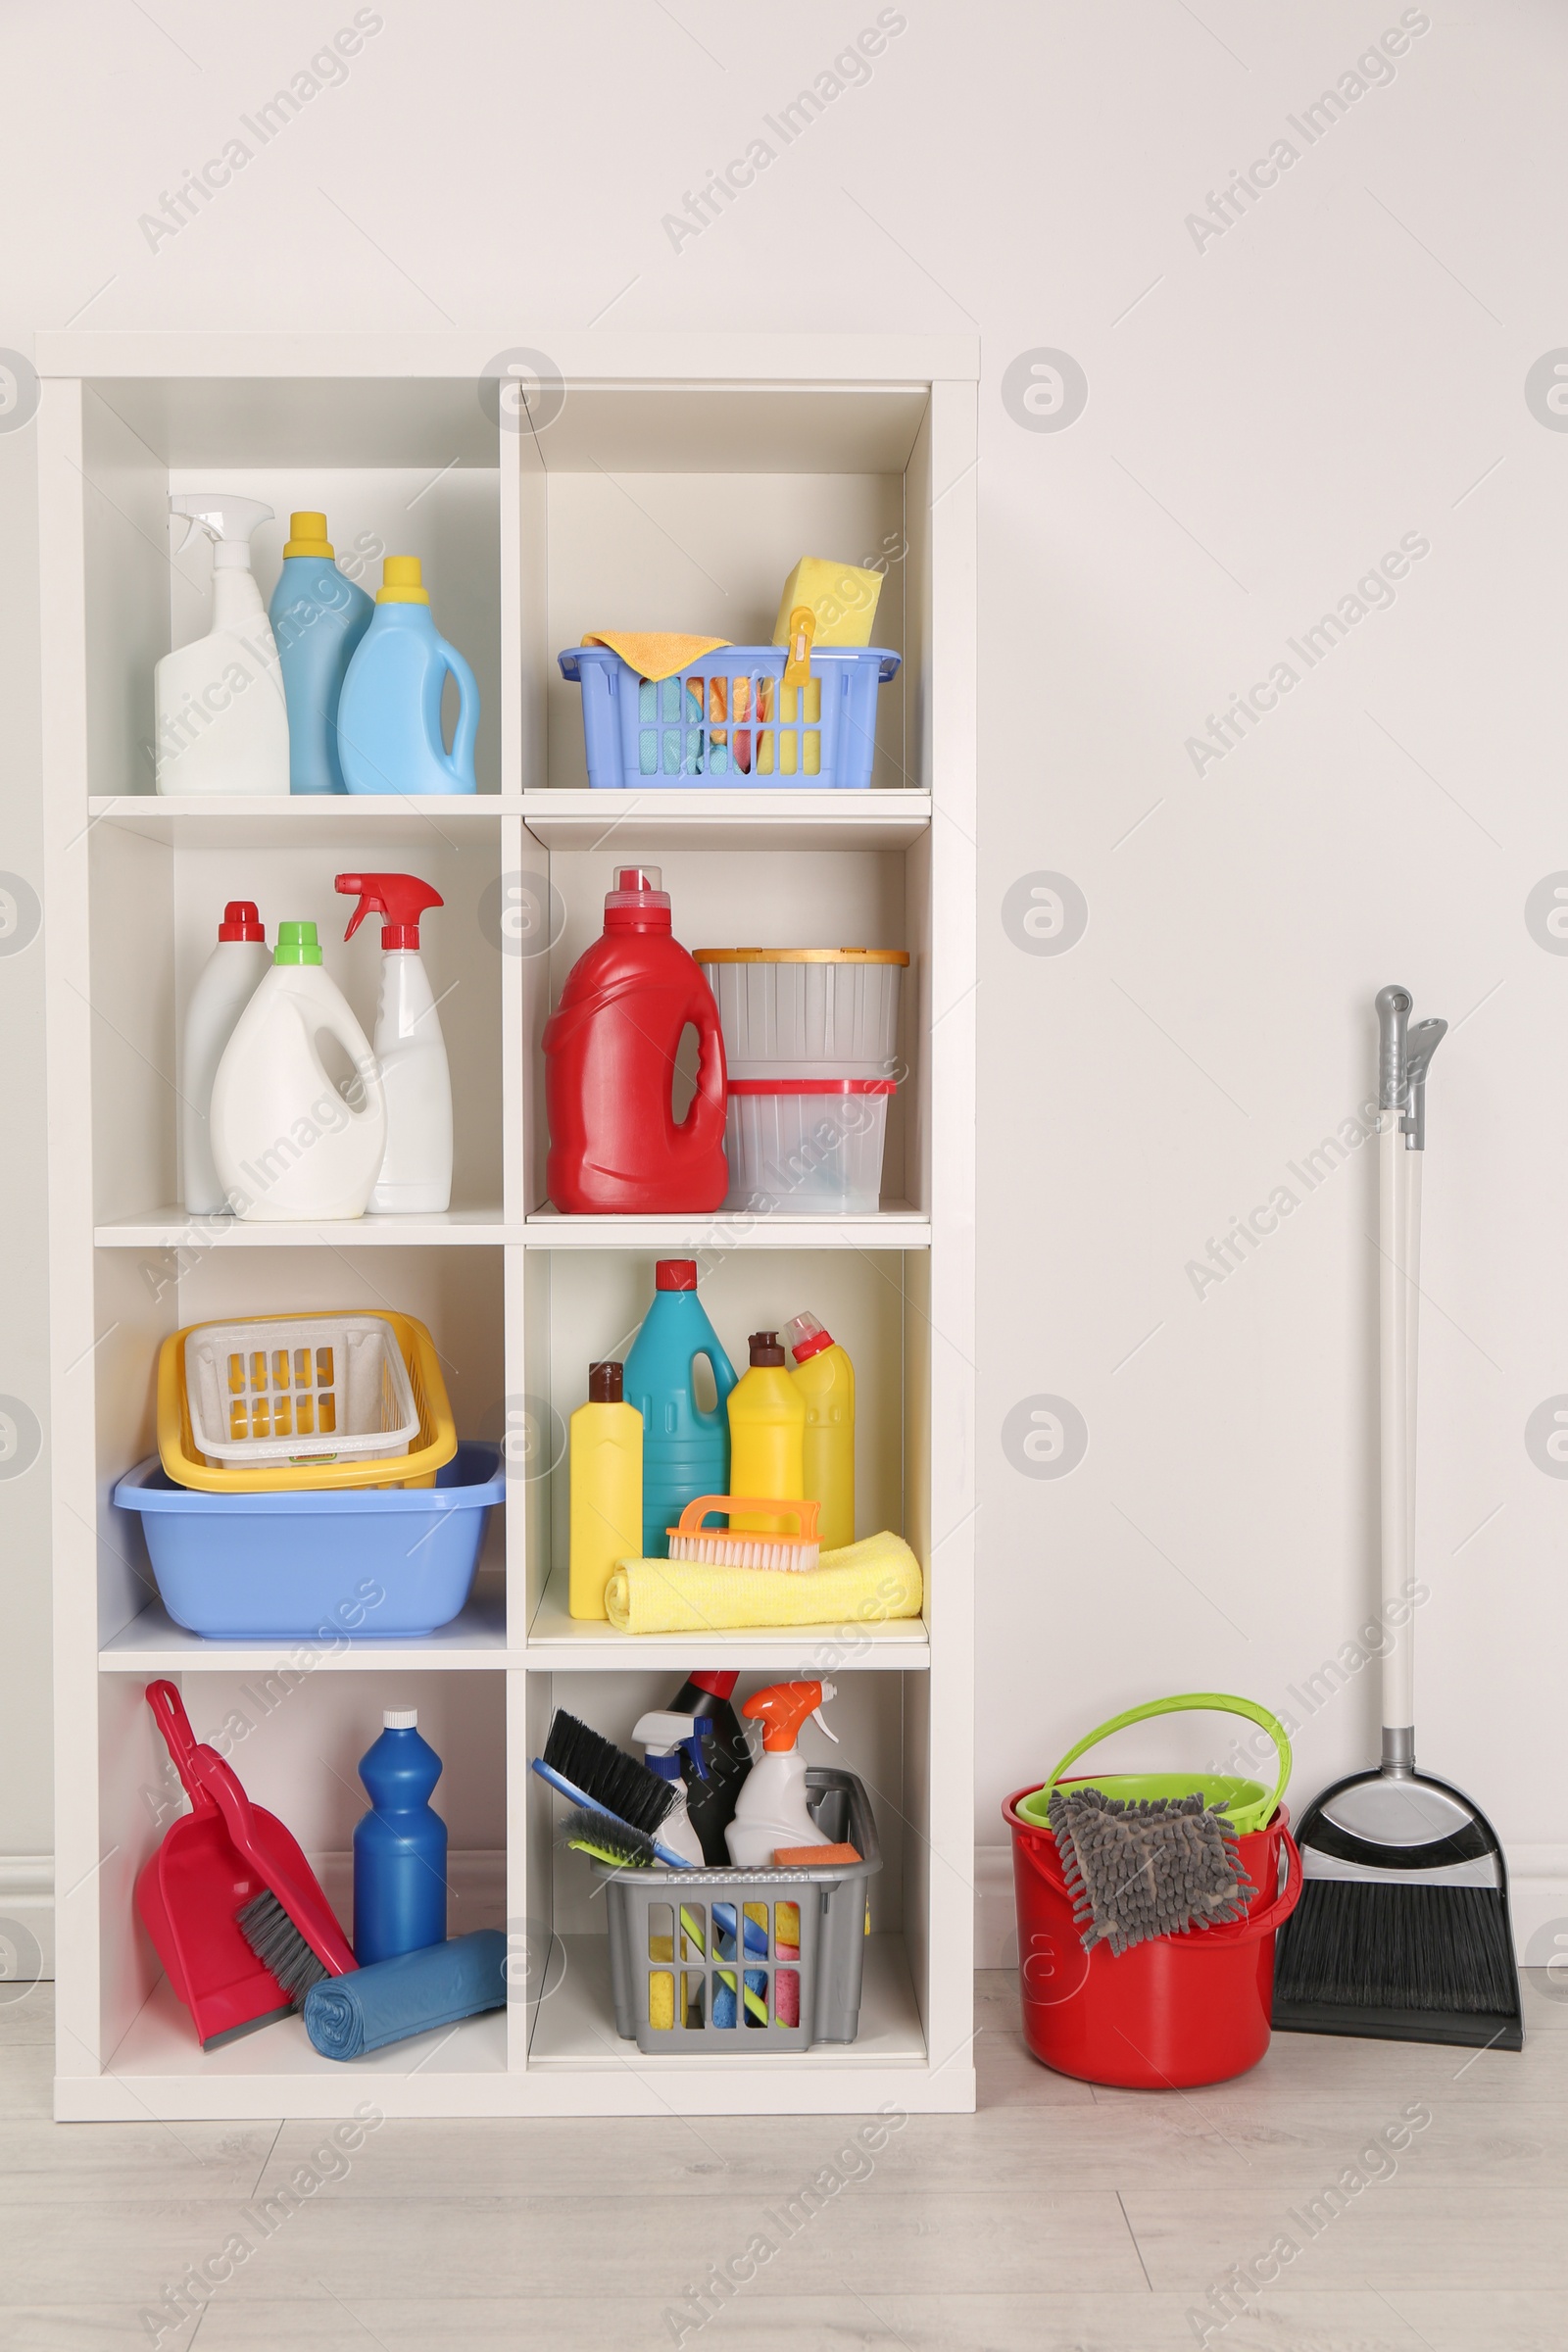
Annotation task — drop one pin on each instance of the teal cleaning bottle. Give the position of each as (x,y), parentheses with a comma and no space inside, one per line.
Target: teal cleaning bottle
(685,1450)
(389,717)
(317,618)
(400,1846)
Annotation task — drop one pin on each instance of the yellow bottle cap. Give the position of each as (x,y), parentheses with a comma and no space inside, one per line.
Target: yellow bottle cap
(306,536)
(399,582)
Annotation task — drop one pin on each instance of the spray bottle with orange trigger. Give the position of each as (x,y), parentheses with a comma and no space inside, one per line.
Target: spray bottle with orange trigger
(416,1171)
(771,1811)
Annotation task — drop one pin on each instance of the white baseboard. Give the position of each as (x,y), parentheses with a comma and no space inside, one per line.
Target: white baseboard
(1538,1905)
(27,1917)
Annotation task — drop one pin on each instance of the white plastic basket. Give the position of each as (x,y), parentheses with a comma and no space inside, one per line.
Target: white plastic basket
(316,1387)
(820,1012)
(807,1147)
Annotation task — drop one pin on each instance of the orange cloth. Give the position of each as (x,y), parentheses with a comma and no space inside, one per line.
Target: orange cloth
(654,654)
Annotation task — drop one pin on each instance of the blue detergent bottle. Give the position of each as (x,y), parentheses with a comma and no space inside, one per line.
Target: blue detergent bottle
(400,1846)
(389,717)
(685,1450)
(317,618)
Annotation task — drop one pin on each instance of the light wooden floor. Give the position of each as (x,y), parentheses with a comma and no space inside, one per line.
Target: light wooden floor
(1058,2219)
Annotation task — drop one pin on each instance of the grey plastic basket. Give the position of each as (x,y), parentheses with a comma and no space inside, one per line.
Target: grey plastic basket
(673,1942)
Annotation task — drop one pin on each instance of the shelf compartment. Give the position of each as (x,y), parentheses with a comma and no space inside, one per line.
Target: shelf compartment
(584,1303)
(158,899)
(153,1644)
(642,824)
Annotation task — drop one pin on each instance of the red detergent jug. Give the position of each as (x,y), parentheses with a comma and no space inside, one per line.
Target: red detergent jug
(610,1045)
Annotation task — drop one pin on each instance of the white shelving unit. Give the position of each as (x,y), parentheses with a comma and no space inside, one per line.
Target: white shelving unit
(680,480)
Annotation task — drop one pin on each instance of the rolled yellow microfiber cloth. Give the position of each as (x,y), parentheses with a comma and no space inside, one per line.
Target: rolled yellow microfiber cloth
(864,1584)
(656,654)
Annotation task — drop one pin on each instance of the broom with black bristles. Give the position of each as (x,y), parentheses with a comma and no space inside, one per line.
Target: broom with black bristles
(1402,1932)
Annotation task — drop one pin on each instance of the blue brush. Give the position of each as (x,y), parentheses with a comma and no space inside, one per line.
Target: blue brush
(579,1796)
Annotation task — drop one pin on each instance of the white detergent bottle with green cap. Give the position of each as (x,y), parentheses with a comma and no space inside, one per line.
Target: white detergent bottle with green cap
(293,1139)
(220,718)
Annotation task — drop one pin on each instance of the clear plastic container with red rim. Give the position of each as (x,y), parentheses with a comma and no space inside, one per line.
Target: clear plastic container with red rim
(806,1147)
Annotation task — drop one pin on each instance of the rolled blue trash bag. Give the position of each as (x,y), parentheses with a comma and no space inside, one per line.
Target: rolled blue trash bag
(386,2002)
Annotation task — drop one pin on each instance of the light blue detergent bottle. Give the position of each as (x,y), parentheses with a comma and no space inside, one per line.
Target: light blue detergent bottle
(389,717)
(317,618)
(685,1451)
(400,1846)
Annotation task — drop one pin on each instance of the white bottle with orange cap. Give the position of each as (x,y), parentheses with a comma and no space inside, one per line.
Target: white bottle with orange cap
(770,1811)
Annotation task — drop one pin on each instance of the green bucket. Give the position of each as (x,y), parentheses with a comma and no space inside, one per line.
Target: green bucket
(1250,1805)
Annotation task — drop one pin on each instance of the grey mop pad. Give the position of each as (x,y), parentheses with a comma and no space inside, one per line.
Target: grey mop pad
(1153,1867)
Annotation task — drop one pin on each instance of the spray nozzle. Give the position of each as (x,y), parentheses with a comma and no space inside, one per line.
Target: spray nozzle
(399,899)
(227,521)
(783,1707)
(662,1737)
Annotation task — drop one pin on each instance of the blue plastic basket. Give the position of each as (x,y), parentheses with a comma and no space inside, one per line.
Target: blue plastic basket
(368,1564)
(703,727)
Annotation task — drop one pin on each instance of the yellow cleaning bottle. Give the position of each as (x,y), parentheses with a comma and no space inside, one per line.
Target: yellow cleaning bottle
(825,1378)
(606,1488)
(766,1435)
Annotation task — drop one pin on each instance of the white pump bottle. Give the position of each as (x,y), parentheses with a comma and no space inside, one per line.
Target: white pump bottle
(220,723)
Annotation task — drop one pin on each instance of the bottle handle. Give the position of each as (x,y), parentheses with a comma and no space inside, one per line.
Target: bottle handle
(459,761)
(704,1123)
(366,1077)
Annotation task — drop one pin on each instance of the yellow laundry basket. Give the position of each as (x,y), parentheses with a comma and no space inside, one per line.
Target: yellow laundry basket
(292,1384)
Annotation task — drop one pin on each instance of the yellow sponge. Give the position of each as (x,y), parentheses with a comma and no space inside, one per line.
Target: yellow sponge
(840,599)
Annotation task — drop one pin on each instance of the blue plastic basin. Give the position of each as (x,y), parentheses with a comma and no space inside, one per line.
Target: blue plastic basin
(361,1565)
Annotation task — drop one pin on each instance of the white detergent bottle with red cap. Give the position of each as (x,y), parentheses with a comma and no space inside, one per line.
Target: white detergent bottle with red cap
(410,1048)
(770,1811)
(224,986)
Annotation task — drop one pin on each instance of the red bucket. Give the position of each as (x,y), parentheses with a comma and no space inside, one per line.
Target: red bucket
(1170,2014)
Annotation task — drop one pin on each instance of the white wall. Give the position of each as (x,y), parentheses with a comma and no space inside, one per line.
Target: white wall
(1270,410)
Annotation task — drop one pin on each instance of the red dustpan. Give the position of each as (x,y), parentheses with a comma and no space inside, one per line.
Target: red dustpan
(212,1862)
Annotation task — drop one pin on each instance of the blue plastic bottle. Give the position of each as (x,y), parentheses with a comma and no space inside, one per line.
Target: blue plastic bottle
(389,717)
(317,618)
(685,1451)
(400,1846)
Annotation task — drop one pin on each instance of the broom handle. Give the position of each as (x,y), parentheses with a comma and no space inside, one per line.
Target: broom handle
(1397,1367)
(1406,1054)
(1399,1201)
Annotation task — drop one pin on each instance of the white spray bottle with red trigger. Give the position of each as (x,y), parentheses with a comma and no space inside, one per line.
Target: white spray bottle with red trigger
(770,1811)
(410,1048)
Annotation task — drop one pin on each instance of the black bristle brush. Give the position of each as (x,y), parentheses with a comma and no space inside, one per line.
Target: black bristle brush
(604,1773)
(587,1769)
